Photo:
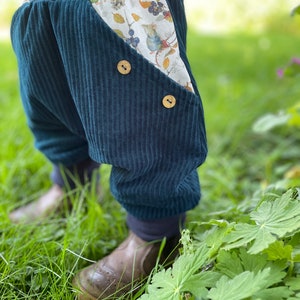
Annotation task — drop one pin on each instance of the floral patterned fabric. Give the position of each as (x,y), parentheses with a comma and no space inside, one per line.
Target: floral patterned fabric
(147,26)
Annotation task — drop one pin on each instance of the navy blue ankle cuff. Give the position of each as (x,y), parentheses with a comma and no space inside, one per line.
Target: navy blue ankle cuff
(150,230)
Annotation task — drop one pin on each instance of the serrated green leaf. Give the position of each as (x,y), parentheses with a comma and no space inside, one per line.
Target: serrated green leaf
(280,216)
(245,233)
(252,263)
(170,291)
(293,283)
(214,238)
(294,242)
(278,251)
(229,264)
(240,287)
(257,262)
(169,284)
(273,219)
(277,272)
(277,293)
(199,283)
(236,262)
(186,265)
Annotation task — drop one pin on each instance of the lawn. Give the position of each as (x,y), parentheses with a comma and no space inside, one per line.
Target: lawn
(238,83)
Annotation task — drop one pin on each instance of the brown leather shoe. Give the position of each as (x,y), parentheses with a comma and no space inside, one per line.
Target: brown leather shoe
(117,273)
(39,209)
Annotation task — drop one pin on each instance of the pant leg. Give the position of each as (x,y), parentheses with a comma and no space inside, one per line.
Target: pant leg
(47,100)
(154,150)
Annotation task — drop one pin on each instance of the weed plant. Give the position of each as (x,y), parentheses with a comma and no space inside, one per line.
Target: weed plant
(240,180)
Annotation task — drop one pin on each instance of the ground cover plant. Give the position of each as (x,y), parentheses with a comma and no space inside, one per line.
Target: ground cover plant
(241,242)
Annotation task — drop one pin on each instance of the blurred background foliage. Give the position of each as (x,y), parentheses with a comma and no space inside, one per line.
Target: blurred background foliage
(251,16)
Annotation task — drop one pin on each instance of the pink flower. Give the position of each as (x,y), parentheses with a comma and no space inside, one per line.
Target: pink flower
(296,60)
(280,73)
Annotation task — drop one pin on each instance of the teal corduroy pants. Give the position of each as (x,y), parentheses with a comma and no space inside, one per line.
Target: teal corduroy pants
(80,104)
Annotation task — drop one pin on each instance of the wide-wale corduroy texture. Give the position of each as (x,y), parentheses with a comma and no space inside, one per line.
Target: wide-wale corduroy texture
(78,104)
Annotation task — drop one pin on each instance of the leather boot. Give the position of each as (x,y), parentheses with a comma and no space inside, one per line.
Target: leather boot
(41,208)
(117,273)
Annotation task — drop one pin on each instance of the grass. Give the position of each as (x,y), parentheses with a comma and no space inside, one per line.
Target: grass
(238,84)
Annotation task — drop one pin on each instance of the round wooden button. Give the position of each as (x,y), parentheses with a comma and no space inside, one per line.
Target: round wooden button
(169,101)
(124,67)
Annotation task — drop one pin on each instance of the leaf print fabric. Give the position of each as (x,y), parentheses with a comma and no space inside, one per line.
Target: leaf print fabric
(147,26)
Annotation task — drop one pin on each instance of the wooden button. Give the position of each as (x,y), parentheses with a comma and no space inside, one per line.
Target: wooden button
(169,101)
(124,67)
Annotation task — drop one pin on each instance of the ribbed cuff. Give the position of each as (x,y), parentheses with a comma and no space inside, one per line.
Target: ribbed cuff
(150,230)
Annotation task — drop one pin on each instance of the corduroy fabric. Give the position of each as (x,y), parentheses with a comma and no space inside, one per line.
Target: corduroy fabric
(79,105)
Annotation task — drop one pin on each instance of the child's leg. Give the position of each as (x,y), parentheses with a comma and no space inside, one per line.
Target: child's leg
(51,115)
(64,179)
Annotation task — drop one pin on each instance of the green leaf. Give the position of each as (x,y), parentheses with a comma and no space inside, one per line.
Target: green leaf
(236,262)
(297,297)
(296,11)
(277,293)
(278,251)
(245,233)
(229,264)
(214,238)
(294,112)
(273,219)
(197,285)
(169,284)
(269,121)
(251,262)
(257,262)
(162,286)
(240,287)
(296,257)
(293,283)
(295,243)
(279,217)
(186,265)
